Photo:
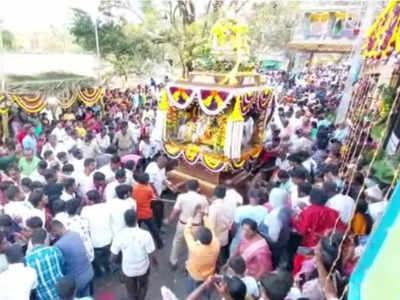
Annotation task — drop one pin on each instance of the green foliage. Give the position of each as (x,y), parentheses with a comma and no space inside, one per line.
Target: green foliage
(271,23)
(384,169)
(8,40)
(127,47)
(387,94)
(178,33)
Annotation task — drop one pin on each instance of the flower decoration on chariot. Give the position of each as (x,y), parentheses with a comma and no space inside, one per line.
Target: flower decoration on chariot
(180,95)
(264,98)
(212,99)
(192,153)
(228,34)
(383,36)
(213,163)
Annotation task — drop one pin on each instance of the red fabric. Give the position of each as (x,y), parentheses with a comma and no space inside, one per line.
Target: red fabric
(96,126)
(40,144)
(314,221)
(297,263)
(144,131)
(21,135)
(266,156)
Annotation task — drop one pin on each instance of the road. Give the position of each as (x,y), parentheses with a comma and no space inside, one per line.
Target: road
(162,276)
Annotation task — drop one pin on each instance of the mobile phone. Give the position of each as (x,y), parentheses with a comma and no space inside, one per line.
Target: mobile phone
(305,251)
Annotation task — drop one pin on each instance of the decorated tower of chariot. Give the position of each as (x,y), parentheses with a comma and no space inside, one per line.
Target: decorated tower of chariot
(213,121)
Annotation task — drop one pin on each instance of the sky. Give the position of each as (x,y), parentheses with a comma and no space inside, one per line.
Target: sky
(27,16)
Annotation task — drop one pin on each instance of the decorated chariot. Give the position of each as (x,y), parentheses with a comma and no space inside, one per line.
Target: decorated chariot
(213,122)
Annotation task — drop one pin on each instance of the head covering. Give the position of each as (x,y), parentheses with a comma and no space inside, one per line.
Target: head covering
(374,192)
(278,197)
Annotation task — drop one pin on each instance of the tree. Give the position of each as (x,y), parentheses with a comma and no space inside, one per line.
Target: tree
(271,24)
(8,40)
(176,27)
(125,46)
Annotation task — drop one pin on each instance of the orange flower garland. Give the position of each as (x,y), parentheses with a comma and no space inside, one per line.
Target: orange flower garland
(383,36)
(30,104)
(67,99)
(90,96)
(4,108)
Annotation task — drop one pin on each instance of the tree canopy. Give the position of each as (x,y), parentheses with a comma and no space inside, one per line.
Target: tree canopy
(176,30)
(8,40)
(121,44)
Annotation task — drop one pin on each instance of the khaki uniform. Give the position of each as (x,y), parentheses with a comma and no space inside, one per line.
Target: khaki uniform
(186,203)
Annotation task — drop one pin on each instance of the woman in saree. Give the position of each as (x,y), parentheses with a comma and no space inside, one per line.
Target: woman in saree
(254,249)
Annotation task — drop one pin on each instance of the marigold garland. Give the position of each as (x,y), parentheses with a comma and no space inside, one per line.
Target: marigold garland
(4,108)
(67,100)
(192,154)
(28,104)
(383,36)
(90,96)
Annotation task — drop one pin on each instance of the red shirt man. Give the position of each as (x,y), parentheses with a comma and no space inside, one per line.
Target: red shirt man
(143,193)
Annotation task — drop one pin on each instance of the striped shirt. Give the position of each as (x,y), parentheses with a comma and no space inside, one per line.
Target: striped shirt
(47,262)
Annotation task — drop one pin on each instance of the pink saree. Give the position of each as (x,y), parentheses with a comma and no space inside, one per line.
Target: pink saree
(257,256)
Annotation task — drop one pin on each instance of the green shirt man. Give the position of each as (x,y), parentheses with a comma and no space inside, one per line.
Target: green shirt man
(28,163)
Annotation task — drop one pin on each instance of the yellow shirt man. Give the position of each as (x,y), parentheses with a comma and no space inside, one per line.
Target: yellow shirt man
(202,257)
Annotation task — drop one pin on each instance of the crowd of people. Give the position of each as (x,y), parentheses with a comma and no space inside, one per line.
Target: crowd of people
(81,196)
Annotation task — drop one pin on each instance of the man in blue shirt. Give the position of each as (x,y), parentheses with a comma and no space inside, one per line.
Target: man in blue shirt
(66,290)
(47,262)
(77,265)
(29,142)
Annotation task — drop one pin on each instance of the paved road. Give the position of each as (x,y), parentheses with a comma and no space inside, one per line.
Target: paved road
(161,276)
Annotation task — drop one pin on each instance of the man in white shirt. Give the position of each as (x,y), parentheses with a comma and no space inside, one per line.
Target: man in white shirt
(69,191)
(110,169)
(232,198)
(38,174)
(376,204)
(145,148)
(119,205)
(16,207)
(103,140)
(157,173)
(137,247)
(134,130)
(343,204)
(77,160)
(59,132)
(148,113)
(99,217)
(85,178)
(188,205)
(89,146)
(18,281)
(221,217)
(51,145)
(120,178)
(300,142)
(158,179)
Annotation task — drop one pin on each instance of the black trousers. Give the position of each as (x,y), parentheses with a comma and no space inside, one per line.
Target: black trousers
(137,286)
(223,255)
(155,232)
(101,260)
(158,212)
